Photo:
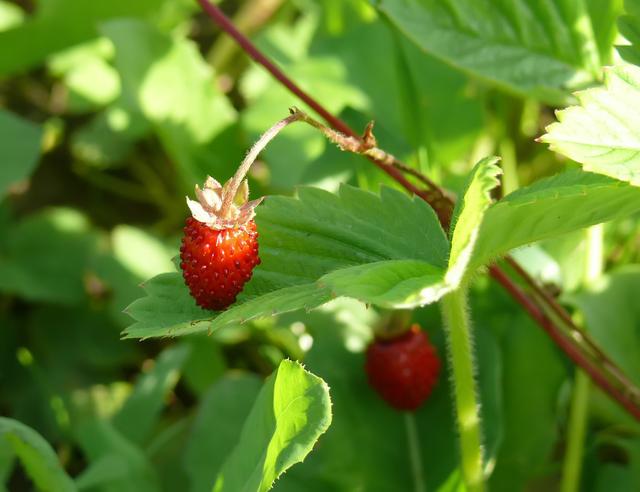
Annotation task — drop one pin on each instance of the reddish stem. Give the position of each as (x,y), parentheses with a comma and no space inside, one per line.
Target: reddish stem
(566,345)
(555,306)
(223,21)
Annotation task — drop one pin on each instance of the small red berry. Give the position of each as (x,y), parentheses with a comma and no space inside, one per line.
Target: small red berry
(220,244)
(403,369)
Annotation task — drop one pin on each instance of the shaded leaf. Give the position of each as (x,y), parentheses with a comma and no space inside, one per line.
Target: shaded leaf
(56,276)
(218,423)
(140,412)
(129,469)
(38,459)
(19,147)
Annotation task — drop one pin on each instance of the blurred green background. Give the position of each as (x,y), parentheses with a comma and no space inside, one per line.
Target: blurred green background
(110,112)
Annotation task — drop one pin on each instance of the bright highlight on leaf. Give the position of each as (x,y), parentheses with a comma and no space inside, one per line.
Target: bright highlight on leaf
(603,132)
(292,411)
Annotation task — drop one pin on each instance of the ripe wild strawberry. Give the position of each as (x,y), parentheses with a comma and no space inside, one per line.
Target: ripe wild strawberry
(403,369)
(220,244)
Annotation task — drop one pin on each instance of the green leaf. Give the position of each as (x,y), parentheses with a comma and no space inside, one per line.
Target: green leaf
(128,469)
(56,276)
(170,83)
(602,132)
(167,310)
(302,239)
(140,412)
(90,80)
(58,24)
(291,412)
(140,252)
(629,26)
(20,149)
(10,15)
(551,207)
(38,459)
(533,375)
(220,417)
(468,215)
(540,49)
(408,283)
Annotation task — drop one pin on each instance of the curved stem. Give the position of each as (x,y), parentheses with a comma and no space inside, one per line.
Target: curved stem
(414,452)
(251,156)
(454,309)
(223,21)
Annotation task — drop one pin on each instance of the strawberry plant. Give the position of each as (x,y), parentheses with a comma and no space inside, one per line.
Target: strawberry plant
(431,286)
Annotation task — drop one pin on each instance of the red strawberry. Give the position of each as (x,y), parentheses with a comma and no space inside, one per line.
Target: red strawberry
(403,369)
(220,245)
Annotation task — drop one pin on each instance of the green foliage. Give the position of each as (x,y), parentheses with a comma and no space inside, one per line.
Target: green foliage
(117,463)
(611,316)
(166,80)
(551,207)
(301,240)
(542,50)
(139,413)
(58,24)
(168,309)
(601,133)
(36,456)
(291,411)
(56,276)
(112,111)
(221,415)
(629,25)
(20,149)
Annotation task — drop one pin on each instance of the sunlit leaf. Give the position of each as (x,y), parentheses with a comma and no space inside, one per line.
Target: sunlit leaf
(602,133)
(539,49)
(291,412)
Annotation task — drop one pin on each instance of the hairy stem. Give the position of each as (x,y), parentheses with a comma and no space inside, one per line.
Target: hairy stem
(251,156)
(455,313)
(414,452)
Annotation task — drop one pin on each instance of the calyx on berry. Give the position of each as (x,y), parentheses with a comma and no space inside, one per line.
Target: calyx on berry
(223,207)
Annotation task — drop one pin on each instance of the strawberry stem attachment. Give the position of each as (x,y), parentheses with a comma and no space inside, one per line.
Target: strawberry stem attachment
(235,182)
(460,348)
